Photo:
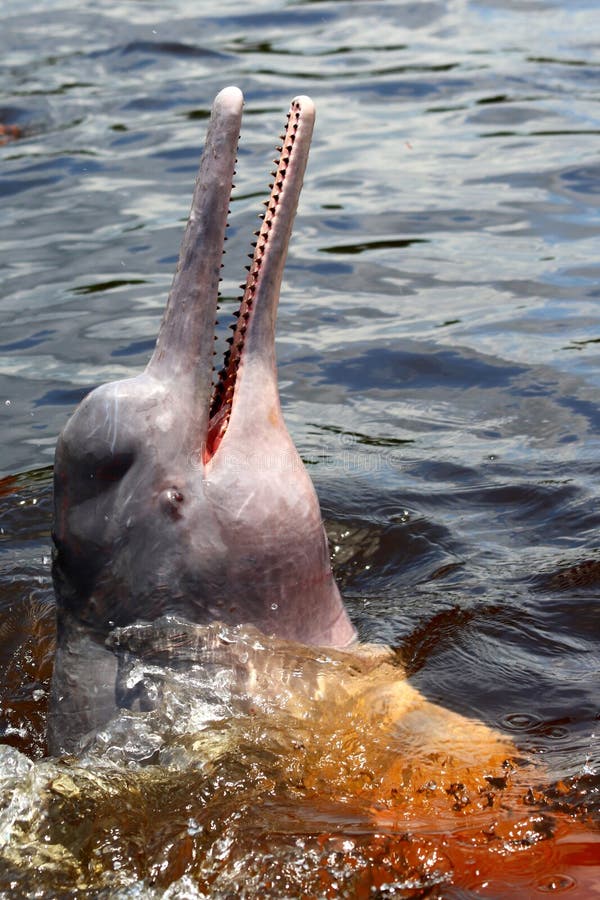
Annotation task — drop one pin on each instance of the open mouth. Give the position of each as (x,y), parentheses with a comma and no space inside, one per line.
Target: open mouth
(261,289)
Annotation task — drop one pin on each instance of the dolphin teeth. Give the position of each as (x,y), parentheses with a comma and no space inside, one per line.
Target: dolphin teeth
(224,388)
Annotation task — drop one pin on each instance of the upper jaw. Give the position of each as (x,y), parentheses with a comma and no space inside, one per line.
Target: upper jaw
(184,349)
(184,346)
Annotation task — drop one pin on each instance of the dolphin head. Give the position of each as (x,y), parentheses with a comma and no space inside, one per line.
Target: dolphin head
(178,495)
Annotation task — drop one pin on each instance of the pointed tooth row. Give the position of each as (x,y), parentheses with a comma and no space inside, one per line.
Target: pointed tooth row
(224,387)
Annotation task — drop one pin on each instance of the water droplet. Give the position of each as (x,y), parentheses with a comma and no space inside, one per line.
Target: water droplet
(274,606)
(554,883)
(520,721)
(7,402)
(557,732)
(193,827)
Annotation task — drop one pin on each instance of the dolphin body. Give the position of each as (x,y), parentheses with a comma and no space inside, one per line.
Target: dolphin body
(176,497)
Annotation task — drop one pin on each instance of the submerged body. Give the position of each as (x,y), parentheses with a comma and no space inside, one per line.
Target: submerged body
(241,765)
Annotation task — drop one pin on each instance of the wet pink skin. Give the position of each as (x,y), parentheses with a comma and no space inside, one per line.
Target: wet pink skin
(152,517)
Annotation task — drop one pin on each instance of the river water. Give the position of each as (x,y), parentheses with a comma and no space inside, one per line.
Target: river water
(439,369)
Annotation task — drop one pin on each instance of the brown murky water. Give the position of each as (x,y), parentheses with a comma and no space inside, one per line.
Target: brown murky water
(439,370)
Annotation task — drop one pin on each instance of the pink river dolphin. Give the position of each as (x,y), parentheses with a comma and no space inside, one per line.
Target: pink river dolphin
(174,495)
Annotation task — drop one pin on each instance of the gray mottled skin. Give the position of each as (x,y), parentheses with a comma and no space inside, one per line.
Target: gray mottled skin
(144,524)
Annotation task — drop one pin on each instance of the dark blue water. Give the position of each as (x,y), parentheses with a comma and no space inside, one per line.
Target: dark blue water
(439,328)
